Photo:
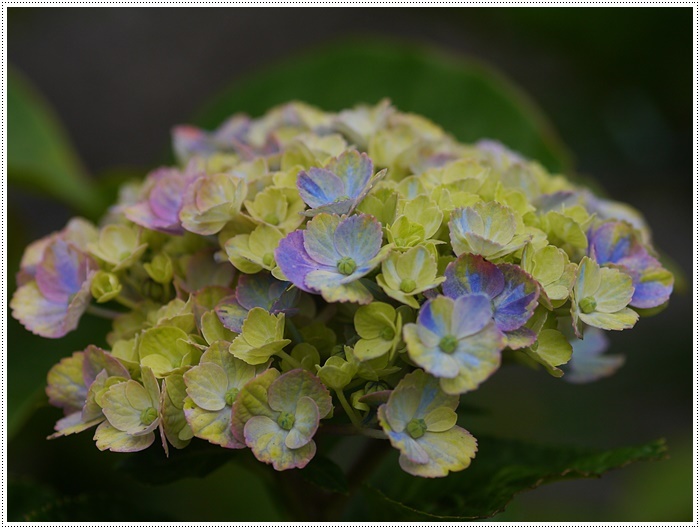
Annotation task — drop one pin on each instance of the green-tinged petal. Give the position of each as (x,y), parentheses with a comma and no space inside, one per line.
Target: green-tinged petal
(337,372)
(323,281)
(66,388)
(252,401)
(551,349)
(174,423)
(372,321)
(440,419)
(124,407)
(107,437)
(213,330)
(617,321)
(588,279)
(402,441)
(207,385)
(285,392)
(449,451)
(164,349)
(267,441)
(615,292)
(306,419)
(212,426)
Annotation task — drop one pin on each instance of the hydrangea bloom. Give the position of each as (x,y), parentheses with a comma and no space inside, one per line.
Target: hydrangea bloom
(360,266)
(620,245)
(331,255)
(456,341)
(513,293)
(421,422)
(339,186)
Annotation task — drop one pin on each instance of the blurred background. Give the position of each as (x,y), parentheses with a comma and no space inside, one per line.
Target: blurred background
(612,85)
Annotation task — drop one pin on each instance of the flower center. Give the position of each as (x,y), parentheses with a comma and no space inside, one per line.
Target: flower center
(148,416)
(407,285)
(346,266)
(416,428)
(285,420)
(448,344)
(272,218)
(388,334)
(588,305)
(268,259)
(230,396)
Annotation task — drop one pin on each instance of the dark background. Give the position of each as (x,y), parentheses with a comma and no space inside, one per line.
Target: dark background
(616,84)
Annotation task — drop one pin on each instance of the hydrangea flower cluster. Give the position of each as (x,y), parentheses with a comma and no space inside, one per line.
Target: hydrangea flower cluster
(309,272)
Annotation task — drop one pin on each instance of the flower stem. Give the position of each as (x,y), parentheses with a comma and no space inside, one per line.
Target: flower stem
(101,312)
(357,423)
(128,303)
(285,356)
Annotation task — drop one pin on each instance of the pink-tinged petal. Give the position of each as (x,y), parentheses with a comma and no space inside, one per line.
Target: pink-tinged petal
(107,437)
(358,237)
(48,318)
(294,261)
(231,314)
(518,300)
(472,274)
(63,271)
(319,187)
(96,360)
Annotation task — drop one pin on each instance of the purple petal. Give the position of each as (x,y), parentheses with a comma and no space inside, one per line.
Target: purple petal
(319,187)
(63,271)
(263,290)
(294,261)
(435,320)
(519,338)
(518,300)
(472,274)
(359,237)
(231,314)
(652,293)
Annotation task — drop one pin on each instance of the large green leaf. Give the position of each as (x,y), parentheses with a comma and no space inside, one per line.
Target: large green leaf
(468,99)
(502,469)
(40,157)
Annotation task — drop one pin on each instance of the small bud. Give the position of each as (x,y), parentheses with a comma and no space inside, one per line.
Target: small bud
(407,285)
(105,287)
(230,396)
(448,344)
(346,266)
(388,334)
(160,269)
(588,305)
(285,420)
(272,218)
(416,428)
(149,415)
(268,259)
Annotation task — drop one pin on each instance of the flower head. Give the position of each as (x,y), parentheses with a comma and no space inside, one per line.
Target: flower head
(420,421)
(159,209)
(331,255)
(338,187)
(276,416)
(620,245)
(52,303)
(456,341)
(512,291)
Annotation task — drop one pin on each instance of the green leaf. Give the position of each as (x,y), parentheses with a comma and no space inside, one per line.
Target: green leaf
(502,469)
(325,474)
(416,78)
(153,467)
(39,154)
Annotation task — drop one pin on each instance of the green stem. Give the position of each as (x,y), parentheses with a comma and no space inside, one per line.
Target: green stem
(357,423)
(284,356)
(101,312)
(128,303)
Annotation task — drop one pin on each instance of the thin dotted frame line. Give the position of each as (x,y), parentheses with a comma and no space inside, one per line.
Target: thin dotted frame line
(3,240)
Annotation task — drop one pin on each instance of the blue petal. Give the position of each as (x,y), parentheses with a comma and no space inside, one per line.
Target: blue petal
(319,187)
(472,274)
(359,237)
(472,312)
(518,300)
(354,169)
